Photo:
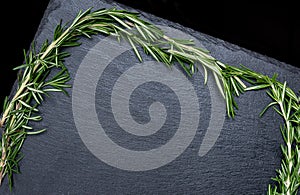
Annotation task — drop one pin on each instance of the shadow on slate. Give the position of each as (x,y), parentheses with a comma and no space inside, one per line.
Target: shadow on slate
(242,159)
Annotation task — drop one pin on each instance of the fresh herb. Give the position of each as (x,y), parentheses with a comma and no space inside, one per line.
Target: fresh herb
(34,84)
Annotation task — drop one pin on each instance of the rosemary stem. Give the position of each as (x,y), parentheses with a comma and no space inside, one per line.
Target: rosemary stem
(24,84)
(290,162)
(188,48)
(289,148)
(20,90)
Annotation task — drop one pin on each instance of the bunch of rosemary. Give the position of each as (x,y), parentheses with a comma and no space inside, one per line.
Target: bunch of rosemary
(34,84)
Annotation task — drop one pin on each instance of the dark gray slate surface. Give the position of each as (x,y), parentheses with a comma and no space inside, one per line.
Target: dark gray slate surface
(200,155)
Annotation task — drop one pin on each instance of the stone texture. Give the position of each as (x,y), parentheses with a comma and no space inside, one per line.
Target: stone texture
(241,161)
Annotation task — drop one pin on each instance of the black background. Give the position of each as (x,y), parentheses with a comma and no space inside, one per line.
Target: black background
(270,29)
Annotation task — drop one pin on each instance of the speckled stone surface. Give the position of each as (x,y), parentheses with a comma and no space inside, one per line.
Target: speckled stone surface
(242,159)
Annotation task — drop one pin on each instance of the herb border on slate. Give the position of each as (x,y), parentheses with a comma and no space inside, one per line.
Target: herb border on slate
(34,84)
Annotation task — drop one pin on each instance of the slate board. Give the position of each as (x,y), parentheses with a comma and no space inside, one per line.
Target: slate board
(157,132)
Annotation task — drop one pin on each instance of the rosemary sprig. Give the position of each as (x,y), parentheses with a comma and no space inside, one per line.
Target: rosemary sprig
(34,84)
(286,103)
